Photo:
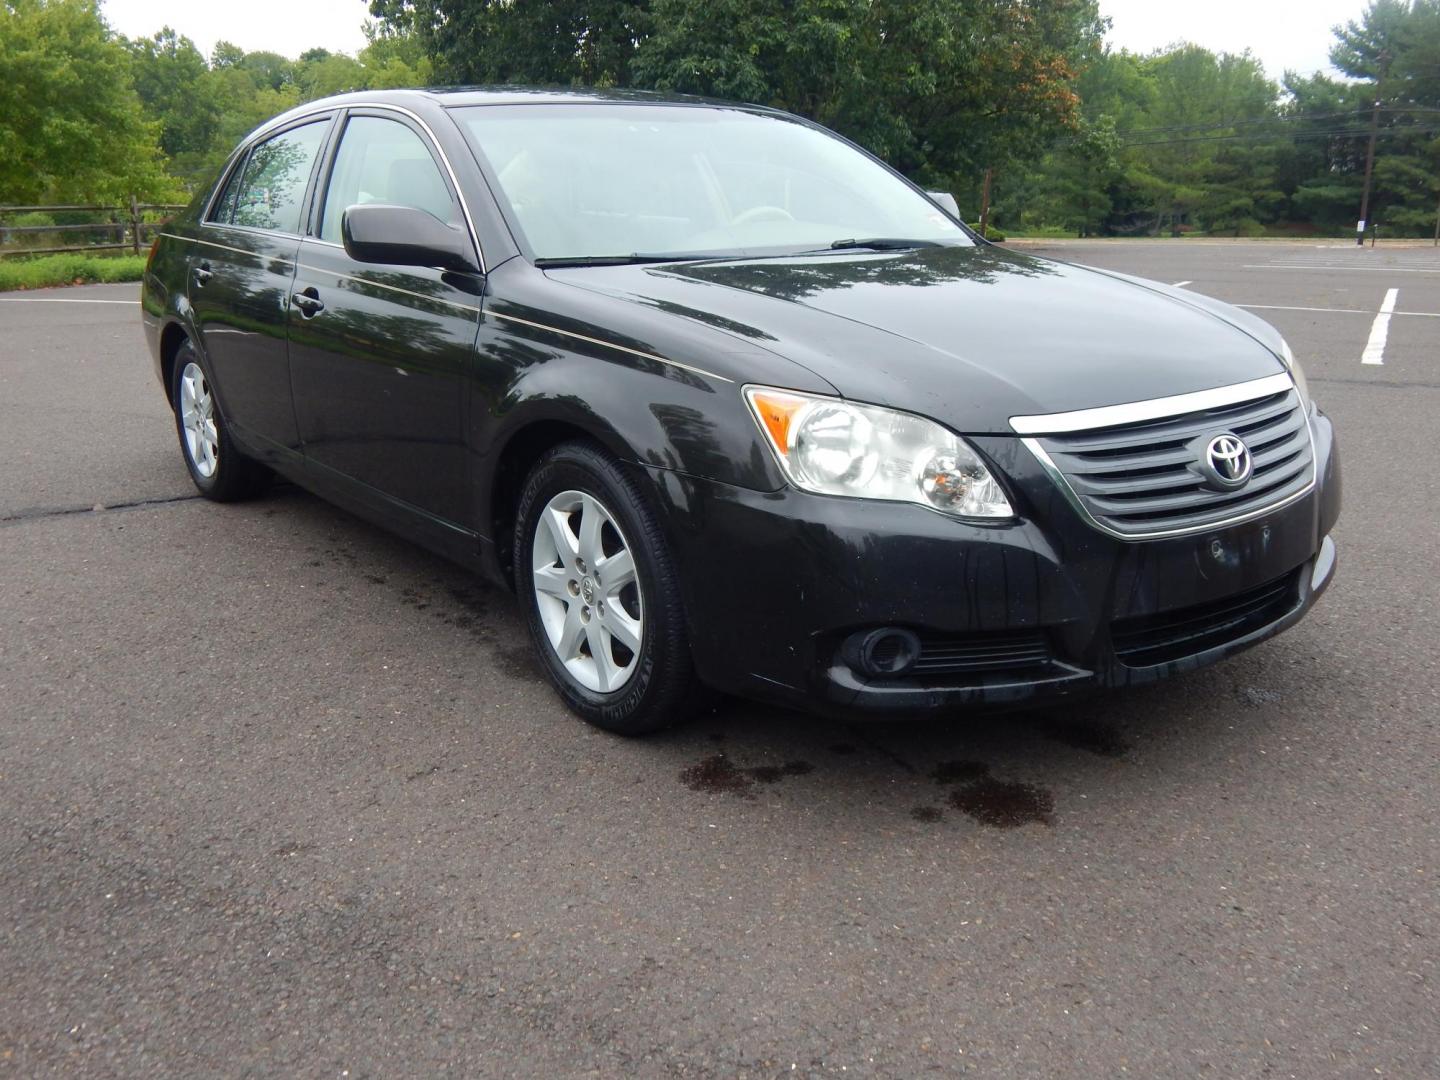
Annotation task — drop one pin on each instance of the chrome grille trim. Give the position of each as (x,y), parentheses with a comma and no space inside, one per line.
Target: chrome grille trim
(1137,480)
(1135,412)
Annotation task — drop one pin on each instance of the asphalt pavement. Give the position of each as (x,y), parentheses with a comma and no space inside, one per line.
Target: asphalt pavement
(282,795)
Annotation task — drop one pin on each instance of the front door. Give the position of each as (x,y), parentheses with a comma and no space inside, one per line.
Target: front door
(379,355)
(240,277)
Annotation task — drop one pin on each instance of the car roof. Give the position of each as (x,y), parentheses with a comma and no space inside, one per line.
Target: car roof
(457,96)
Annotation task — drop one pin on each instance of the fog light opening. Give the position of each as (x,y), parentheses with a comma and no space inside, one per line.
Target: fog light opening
(886,651)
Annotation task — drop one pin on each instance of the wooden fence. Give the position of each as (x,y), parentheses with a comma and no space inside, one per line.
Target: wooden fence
(117,228)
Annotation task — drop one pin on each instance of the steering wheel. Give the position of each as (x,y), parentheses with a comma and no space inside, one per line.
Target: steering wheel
(762,213)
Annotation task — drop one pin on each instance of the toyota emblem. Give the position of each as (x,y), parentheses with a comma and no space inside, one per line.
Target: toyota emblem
(1227,463)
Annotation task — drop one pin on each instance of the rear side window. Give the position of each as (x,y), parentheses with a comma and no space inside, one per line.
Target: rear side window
(383,161)
(271,190)
(224,210)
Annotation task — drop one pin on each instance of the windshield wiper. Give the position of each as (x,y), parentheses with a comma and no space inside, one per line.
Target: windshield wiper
(634,259)
(882,243)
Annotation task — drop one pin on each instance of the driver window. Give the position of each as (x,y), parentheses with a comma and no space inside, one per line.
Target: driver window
(383,161)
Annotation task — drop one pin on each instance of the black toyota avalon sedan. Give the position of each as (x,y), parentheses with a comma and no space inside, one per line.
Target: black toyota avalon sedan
(731,405)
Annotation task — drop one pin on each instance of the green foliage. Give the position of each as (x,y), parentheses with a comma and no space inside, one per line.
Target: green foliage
(1080,138)
(68,269)
(1172,141)
(70,121)
(1395,48)
(533,42)
(204,109)
(942,88)
(1206,142)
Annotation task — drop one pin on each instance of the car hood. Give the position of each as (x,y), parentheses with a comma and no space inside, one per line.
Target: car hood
(970,336)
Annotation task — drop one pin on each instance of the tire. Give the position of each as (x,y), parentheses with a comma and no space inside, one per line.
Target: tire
(217,466)
(577,617)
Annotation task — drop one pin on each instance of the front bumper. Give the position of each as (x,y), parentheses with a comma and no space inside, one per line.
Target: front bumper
(775,582)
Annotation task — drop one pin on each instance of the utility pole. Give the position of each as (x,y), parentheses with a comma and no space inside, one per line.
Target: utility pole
(985,202)
(1384,59)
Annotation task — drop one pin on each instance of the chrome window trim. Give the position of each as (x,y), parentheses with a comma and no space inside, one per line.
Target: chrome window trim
(1058,478)
(1136,412)
(261,133)
(243,154)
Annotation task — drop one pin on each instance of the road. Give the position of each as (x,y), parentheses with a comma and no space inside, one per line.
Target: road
(281,795)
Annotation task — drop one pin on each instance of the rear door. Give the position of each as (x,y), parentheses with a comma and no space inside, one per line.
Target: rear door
(240,282)
(379,355)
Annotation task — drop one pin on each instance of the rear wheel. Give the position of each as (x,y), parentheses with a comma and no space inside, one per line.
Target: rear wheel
(218,468)
(600,594)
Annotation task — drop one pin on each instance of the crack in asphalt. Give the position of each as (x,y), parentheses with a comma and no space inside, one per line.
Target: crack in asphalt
(1396,384)
(860,736)
(40,513)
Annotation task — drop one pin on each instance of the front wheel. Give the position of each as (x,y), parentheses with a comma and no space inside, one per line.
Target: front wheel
(218,468)
(600,595)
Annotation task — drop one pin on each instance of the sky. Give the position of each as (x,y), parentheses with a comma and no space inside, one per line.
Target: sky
(1285,34)
(1293,34)
(288,27)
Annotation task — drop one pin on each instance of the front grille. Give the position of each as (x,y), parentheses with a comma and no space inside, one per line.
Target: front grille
(977,654)
(1170,635)
(1142,479)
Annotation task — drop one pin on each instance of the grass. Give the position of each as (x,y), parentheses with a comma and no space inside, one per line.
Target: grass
(1043,232)
(71,268)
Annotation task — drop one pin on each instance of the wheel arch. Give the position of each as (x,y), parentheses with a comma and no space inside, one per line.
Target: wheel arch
(526,442)
(172,336)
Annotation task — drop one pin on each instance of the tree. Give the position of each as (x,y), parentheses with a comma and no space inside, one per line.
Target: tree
(1395,47)
(1321,173)
(536,42)
(942,88)
(172,81)
(324,73)
(71,124)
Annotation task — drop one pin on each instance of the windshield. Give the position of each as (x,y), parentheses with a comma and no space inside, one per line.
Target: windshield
(612,181)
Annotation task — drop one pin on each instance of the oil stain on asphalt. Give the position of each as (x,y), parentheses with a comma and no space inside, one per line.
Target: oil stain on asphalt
(717,774)
(999,804)
(1004,804)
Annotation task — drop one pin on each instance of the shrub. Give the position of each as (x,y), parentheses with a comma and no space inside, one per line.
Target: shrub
(69,268)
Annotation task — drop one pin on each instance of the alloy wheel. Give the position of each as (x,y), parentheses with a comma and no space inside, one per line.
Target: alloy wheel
(197,414)
(587,592)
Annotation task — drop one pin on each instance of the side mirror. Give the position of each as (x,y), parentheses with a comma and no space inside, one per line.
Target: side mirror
(946,202)
(404,236)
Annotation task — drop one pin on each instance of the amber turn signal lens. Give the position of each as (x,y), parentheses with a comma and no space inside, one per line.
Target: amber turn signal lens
(777,412)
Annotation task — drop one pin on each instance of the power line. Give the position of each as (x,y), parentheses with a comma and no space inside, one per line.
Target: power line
(1333,133)
(1166,129)
(1278,123)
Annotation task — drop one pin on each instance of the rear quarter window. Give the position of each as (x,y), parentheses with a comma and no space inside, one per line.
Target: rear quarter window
(269,191)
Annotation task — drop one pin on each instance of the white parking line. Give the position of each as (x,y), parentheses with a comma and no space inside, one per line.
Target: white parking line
(1342,269)
(1339,310)
(1287,307)
(1379,330)
(1180,284)
(57,300)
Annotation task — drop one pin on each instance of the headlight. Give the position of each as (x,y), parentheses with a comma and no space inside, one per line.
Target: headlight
(1293,366)
(835,447)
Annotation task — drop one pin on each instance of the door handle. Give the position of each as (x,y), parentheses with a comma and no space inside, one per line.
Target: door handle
(203,273)
(309,302)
